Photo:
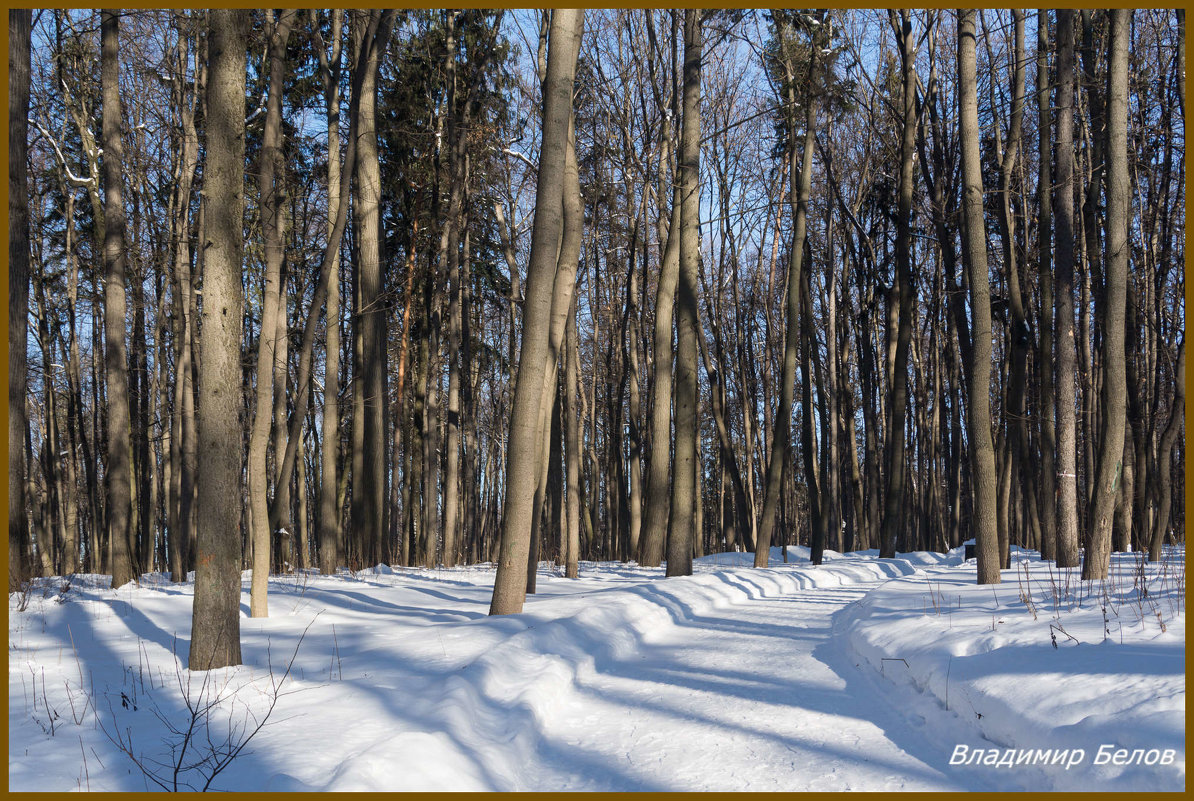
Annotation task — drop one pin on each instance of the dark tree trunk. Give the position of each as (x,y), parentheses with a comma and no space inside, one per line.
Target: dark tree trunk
(215,638)
(893,510)
(1114,296)
(1067,445)
(1045,360)
(781,440)
(19,33)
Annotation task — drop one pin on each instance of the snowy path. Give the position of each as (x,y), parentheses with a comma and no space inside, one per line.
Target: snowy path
(754,696)
(731,679)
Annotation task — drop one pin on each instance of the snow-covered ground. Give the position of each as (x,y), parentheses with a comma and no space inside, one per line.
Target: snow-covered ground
(860,674)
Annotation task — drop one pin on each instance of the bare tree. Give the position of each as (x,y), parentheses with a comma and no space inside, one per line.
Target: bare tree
(215,625)
(657,505)
(1115,285)
(781,436)
(331,544)
(522,468)
(1044,358)
(121,510)
(369,484)
(686,491)
(19,33)
(270,183)
(1066,383)
(903,294)
(982,453)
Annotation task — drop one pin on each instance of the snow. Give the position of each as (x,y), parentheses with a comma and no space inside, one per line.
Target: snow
(860,673)
(986,655)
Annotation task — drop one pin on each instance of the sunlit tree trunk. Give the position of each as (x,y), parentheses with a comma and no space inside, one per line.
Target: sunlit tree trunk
(119,468)
(522,466)
(982,454)
(215,625)
(270,182)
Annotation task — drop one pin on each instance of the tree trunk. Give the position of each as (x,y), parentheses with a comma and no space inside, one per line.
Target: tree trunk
(686,491)
(119,468)
(657,505)
(331,536)
(982,453)
(1019,466)
(509,591)
(19,34)
(450,258)
(270,183)
(893,510)
(1114,296)
(572,442)
(1164,455)
(1067,446)
(369,485)
(1045,360)
(781,440)
(215,639)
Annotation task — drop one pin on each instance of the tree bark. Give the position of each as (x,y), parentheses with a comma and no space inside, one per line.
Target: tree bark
(686,491)
(215,638)
(1114,296)
(19,34)
(893,509)
(270,185)
(1045,360)
(1066,384)
(982,452)
(781,435)
(509,591)
(119,468)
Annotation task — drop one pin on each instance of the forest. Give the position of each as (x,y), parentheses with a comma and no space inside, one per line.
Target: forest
(305,290)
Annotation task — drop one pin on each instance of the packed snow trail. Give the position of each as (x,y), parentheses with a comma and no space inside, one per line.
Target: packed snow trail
(733,678)
(754,696)
(666,686)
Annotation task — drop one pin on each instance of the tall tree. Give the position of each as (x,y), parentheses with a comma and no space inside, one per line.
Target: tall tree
(1044,358)
(686,490)
(270,182)
(1114,298)
(331,544)
(121,512)
(982,452)
(1063,325)
(509,591)
(369,484)
(19,34)
(215,623)
(657,506)
(781,436)
(894,501)
(1016,458)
